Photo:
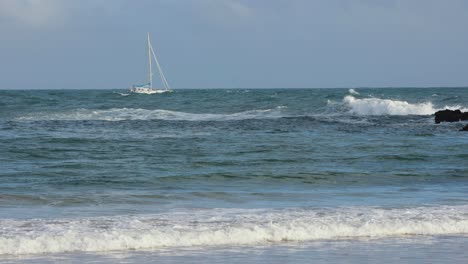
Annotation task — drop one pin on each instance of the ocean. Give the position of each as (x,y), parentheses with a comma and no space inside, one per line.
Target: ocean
(358,175)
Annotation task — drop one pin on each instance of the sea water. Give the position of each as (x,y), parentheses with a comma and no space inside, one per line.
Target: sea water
(233,176)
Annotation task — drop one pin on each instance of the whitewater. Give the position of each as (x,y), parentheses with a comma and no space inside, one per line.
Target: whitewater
(226,227)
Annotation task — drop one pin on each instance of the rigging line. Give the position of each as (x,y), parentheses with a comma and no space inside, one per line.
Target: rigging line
(161,73)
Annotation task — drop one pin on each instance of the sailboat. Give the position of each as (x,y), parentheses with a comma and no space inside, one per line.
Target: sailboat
(147,88)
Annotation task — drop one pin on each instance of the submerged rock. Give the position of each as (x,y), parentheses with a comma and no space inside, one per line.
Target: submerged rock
(465,128)
(450,116)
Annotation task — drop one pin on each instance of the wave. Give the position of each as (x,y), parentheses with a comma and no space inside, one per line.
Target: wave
(225,227)
(120,114)
(352,91)
(377,106)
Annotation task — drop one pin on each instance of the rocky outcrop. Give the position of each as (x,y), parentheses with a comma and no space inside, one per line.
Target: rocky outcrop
(450,116)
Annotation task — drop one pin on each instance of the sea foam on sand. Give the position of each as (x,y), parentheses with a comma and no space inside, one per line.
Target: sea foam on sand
(225,227)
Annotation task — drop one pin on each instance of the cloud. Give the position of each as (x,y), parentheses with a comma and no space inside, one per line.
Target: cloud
(32,13)
(224,11)
(37,14)
(238,8)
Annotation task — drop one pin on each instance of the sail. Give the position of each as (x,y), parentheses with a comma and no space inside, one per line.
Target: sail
(160,71)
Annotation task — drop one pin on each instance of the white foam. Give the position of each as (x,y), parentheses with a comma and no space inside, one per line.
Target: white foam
(119,114)
(352,91)
(377,106)
(225,227)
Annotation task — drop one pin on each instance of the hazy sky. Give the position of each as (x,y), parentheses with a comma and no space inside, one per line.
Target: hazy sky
(234,43)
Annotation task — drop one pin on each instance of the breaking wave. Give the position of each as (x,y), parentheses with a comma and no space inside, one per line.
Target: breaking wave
(225,227)
(352,91)
(376,106)
(120,114)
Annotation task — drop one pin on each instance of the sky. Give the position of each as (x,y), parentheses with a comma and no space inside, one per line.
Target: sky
(94,44)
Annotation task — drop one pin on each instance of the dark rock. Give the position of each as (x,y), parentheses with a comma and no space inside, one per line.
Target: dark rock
(450,116)
(465,128)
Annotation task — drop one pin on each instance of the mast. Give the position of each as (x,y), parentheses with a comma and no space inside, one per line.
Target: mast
(149,59)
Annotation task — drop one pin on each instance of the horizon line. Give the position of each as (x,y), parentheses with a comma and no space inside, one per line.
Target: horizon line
(243,88)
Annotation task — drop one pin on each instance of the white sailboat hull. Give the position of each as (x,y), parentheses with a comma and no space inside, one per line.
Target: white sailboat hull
(144,90)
